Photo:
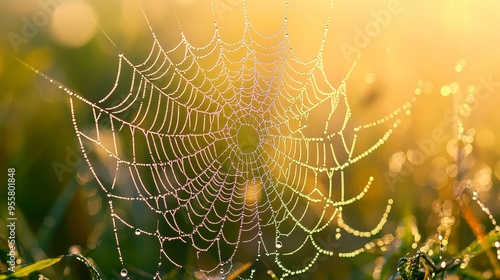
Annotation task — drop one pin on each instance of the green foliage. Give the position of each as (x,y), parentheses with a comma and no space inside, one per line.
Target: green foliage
(30,269)
(477,247)
(421,266)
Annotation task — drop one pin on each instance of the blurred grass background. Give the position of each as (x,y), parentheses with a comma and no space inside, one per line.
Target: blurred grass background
(60,207)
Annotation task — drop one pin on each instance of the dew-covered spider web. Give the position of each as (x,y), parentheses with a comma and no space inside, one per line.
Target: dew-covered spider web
(238,149)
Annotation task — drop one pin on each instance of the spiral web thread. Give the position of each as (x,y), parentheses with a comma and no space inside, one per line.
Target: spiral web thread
(218,143)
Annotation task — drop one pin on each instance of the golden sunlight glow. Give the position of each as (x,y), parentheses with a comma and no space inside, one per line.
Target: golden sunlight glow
(396,161)
(445,90)
(253,193)
(304,121)
(370,78)
(485,138)
(460,65)
(72,23)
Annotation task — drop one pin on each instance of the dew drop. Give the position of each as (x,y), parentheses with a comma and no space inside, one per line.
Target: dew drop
(279,244)
(120,55)
(137,232)
(124,273)
(443,264)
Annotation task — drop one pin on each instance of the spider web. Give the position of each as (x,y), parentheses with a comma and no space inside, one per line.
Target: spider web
(238,149)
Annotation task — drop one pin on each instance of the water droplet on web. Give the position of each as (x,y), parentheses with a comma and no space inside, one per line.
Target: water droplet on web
(137,232)
(124,273)
(120,55)
(443,264)
(474,194)
(279,244)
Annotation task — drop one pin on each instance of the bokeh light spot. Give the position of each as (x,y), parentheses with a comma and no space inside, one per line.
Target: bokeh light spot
(73,24)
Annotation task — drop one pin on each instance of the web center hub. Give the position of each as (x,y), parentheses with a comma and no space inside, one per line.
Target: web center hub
(248,139)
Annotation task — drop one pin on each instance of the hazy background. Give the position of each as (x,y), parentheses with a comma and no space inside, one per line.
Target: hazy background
(449,48)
